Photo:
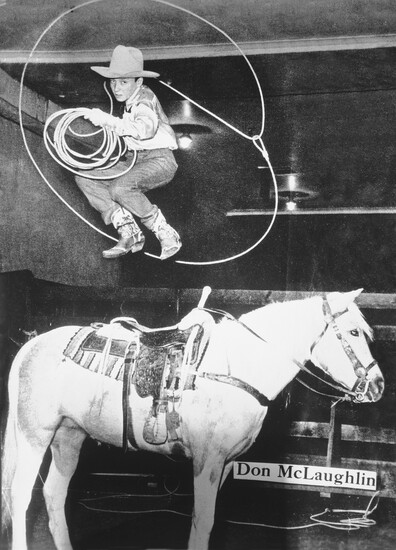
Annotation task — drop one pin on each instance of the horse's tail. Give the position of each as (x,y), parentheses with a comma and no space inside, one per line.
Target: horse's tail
(7,473)
(9,449)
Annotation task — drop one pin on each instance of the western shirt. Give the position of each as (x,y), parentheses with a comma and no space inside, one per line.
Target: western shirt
(144,125)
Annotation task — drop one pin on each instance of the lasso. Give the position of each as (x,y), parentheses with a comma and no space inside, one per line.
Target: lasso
(68,159)
(106,155)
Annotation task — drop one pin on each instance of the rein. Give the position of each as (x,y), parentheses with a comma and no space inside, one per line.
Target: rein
(330,319)
(360,370)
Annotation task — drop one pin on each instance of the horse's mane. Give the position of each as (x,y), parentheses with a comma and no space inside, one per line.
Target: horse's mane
(292,309)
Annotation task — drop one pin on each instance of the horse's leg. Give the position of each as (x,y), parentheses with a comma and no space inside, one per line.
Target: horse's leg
(65,449)
(28,460)
(207,476)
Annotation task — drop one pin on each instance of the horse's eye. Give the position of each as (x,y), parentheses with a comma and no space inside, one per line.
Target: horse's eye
(354,332)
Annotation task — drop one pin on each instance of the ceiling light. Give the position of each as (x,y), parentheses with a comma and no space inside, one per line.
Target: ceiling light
(291,205)
(291,192)
(186,109)
(185,141)
(292,181)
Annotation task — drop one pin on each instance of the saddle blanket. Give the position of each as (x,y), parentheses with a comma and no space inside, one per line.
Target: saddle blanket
(86,349)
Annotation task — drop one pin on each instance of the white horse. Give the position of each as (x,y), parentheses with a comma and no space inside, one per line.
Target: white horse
(55,402)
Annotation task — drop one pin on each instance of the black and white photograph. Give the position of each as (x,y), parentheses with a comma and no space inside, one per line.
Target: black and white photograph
(198,274)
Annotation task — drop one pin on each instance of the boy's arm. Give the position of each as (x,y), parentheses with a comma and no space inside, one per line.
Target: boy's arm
(141,123)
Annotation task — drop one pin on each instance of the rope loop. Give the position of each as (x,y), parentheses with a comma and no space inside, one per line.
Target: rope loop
(103,157)
(71,158)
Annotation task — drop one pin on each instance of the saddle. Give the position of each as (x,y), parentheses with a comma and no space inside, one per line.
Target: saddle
(159,363)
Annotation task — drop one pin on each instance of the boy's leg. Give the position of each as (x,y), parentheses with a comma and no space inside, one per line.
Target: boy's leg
(165,233)
(131,237)
(153,169)
(97,191)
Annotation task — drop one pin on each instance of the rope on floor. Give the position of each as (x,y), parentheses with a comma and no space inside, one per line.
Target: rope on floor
(342,524)
(348,524)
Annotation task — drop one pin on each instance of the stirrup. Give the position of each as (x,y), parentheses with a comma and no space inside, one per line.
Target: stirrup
(155,431)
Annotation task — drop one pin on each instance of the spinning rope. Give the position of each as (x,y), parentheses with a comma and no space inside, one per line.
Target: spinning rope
(111,148)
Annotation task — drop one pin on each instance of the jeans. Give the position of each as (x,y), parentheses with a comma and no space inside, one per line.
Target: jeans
(152,169)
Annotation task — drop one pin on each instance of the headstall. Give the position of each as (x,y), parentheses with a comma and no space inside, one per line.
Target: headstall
(360,387)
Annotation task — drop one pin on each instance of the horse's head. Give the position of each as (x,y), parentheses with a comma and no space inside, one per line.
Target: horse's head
(342,350)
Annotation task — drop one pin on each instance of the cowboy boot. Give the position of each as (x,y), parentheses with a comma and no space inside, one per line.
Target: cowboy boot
(167,236)
(131,237)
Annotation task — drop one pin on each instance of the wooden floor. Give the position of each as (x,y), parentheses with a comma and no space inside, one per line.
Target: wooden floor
(149,514)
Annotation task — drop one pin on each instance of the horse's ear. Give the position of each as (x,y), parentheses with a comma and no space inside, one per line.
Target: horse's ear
(339,301)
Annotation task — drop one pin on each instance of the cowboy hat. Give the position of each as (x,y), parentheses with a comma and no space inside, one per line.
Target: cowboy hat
(125,63)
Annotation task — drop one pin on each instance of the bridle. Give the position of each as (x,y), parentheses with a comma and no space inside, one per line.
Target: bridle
(361,385)
(359,390)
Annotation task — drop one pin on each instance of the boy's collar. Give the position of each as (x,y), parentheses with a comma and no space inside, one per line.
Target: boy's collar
(133,96)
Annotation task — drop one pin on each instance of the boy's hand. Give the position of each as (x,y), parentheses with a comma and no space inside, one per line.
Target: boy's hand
(100,118)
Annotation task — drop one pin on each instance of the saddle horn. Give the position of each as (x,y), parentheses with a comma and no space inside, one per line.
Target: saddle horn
(204,296)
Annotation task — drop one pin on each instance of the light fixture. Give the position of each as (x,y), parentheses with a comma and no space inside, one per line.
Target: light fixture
(292,198)
(186,109)
(185,141)
(292,181)
(291,192)
(185,131)
(291,205)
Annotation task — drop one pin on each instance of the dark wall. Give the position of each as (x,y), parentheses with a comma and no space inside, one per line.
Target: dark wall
(37,231)
(339,142)
(15,320)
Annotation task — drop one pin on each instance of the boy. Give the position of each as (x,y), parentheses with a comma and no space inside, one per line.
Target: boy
(145,128)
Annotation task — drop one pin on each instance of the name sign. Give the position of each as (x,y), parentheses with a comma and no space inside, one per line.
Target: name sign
(306,475)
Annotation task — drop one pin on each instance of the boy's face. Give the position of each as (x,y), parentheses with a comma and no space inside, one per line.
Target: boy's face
(123,88)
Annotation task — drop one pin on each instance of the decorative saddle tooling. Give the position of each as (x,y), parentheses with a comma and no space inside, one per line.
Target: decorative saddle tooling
(161,363)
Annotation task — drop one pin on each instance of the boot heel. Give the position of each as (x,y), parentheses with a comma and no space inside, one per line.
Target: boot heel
(123,247)
(168,237)
(137,247)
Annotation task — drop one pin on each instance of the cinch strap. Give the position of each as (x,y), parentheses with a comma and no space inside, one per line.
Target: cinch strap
(236,382)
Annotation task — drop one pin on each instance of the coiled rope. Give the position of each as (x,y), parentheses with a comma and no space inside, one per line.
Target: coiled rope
(349,523)
(106,155)
(70,157)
